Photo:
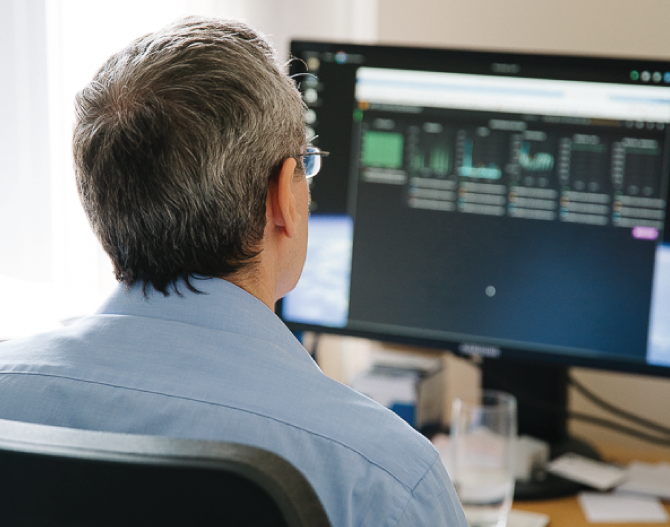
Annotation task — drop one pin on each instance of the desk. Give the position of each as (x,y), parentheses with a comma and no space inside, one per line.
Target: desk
(566,512)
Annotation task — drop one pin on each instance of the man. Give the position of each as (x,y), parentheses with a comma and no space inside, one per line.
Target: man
(192,167)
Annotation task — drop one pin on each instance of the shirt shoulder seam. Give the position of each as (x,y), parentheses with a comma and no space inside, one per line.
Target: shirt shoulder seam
(411,493)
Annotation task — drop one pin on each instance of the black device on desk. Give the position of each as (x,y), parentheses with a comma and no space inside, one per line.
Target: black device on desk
(509,206)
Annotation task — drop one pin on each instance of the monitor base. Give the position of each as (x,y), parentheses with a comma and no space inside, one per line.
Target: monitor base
(544,485)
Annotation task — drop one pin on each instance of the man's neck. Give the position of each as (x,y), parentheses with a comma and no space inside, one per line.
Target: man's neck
(255,282)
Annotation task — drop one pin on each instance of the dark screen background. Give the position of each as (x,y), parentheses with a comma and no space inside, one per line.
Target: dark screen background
(577,286)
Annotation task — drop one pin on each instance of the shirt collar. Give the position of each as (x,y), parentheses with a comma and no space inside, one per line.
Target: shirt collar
(219,305)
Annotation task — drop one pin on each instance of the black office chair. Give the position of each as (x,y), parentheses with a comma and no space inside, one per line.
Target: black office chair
(51,476)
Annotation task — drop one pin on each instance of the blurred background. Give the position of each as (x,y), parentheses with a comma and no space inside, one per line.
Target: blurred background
(51,267)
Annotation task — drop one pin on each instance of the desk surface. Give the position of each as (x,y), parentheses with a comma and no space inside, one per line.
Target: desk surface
(566,512)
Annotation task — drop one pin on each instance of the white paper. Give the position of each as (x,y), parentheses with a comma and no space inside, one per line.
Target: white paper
(618,508)
(587,471)
(526,519)
(652,479)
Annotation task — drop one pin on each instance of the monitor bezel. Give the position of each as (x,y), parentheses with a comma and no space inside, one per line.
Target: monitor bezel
(596,68)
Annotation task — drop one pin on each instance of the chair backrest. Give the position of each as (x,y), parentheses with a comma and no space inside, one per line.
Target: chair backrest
(52,476)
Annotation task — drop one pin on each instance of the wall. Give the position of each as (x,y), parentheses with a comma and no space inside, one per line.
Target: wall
(601,27)
(345,20)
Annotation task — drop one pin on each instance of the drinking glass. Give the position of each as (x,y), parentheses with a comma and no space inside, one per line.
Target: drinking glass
(483,436)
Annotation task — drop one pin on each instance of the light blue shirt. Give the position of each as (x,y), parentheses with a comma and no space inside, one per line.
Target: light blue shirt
(222,366)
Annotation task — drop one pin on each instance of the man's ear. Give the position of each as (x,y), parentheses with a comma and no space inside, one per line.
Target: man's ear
(281,205)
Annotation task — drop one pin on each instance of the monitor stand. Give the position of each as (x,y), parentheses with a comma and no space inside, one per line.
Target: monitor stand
(542,395)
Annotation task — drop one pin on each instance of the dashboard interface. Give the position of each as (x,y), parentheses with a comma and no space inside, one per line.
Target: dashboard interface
(489,202)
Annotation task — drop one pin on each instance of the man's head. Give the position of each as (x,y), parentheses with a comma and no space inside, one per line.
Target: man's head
(177,139)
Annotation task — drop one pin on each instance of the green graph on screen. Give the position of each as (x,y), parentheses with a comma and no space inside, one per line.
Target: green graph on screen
(438,160)
(383,149)
(538,162)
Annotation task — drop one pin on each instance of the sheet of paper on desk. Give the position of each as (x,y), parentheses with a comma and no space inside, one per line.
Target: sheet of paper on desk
(652,479)
(526,519)
(596,474)
(620,508)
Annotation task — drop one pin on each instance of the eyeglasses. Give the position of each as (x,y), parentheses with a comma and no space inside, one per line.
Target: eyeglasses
(311,161)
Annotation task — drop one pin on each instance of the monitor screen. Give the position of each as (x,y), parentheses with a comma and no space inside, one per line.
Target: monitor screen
(489,203)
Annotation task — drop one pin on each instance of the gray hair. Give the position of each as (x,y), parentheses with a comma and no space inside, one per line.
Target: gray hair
(176,139)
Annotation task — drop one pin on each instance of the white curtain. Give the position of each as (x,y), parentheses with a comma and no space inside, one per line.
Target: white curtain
(51,267)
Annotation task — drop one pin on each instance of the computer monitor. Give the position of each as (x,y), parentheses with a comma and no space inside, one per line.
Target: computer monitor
(510,206)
